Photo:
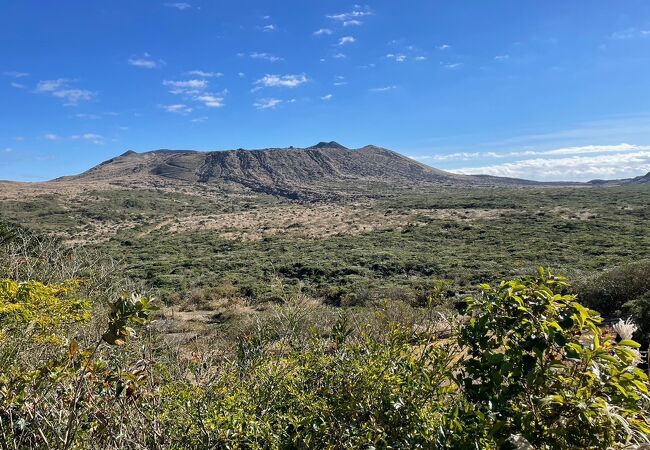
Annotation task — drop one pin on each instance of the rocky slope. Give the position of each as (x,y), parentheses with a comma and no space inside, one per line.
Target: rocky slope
(291,172)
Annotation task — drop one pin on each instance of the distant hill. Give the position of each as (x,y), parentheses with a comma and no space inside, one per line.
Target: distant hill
(642,180)
(291,172)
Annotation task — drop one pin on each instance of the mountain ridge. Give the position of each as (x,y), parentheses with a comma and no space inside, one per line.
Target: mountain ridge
(324,169)
(291,172)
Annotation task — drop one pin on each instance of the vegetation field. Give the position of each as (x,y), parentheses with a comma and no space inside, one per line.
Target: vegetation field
(359,322)
(386,244)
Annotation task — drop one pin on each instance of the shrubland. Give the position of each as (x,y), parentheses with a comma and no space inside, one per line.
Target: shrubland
(125,323)
(524,364)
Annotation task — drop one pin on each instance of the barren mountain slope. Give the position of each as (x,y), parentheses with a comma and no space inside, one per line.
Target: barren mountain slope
(290,172)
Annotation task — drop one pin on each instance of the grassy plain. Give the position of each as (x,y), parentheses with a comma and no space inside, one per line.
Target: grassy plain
(382,244)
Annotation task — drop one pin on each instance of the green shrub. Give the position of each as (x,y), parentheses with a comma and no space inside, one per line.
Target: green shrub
(59,381)
(367,394)
(539,367)
(607,292)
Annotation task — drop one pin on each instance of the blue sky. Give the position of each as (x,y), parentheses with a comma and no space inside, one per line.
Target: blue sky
(547,90)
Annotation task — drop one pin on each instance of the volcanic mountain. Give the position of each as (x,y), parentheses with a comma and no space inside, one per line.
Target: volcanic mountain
(290,172)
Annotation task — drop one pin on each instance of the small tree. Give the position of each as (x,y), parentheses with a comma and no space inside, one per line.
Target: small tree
(539,368)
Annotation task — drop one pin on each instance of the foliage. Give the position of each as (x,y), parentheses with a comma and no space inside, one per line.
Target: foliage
(57,382)
(529,364)
(539,366)
(610,290)
(462,235)
(326,395)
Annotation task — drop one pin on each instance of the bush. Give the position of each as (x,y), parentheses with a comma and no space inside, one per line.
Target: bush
(529,366)
(539,368)
(610,290)
(60,382)
(328,394)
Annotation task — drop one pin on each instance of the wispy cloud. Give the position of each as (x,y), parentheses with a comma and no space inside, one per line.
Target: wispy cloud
(51,137)
(265,56)
(15,74)
(562,151)
(267,103)
(327,97)
(195,90)
(396,57)
(269,28)
(87,116)
(501,57)
(444,47)
(146,61)
(89,137)
(358,12)
(177,108)
(288,81)
(630,33)
(581,168)
(383,88)
(346,40)
(17,85)
(322,31)
(181,6)
(451,66)
(204,74)
(186,87)
(211,101)
(339,56)
(61,89)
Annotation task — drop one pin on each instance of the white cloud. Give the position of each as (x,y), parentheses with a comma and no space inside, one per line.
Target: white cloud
(563,151)
(353,22)
(267,103)
(451,66)
(327,97)
(582,168)
(60,88)
(383,88)
(15,74)
(51,137)
(288,81)
(204,74)
(180,6)
(195,90)
(357,13)
(193,86)
(265,56)
(178,108)
(322,31)
(396,57)
(630,33)
(90,137)
(420,58)
(501,57)
(211,101)
(444,47)
(17,85)
(87,116)
(145,62)
(339,56)
(199,119)
(269,28)
(346,40)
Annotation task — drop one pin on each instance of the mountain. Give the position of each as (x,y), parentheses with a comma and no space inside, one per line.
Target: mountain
(641,180)
(291,172)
